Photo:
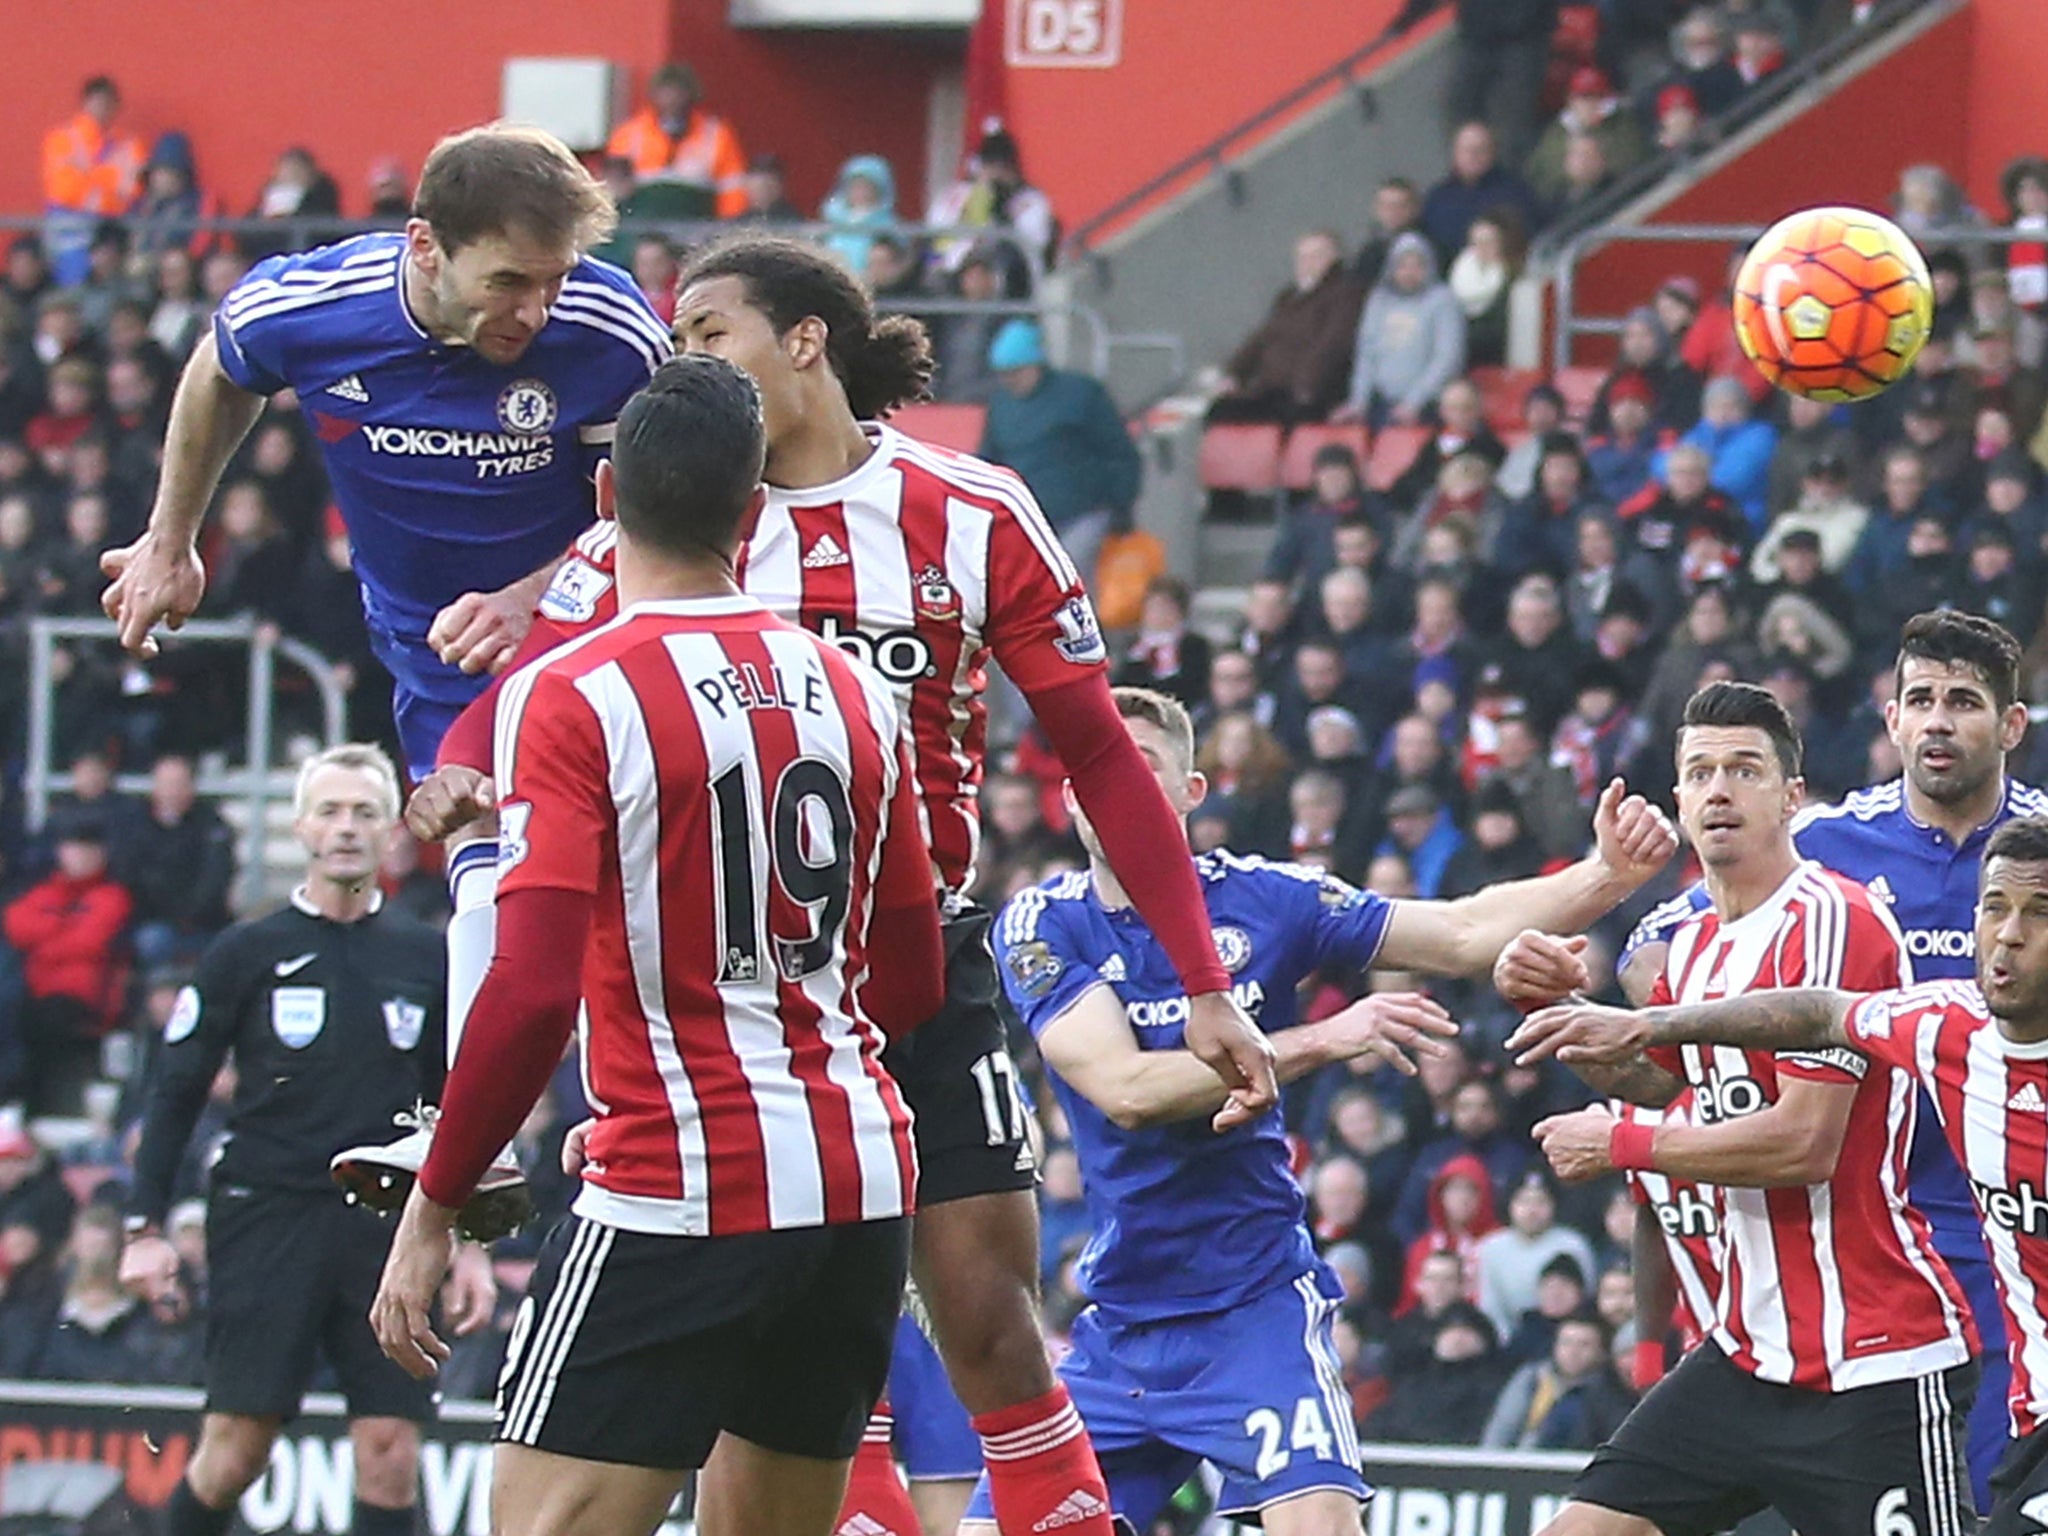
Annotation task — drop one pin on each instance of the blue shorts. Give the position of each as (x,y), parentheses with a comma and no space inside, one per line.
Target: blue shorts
(1256,1392)
(934,1439)
(426,696)
(1990,1423)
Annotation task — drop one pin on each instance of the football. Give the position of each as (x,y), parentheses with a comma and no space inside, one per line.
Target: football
(1833,303)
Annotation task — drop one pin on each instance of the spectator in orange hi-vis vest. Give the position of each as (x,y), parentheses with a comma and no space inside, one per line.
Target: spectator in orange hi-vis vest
(88,169)
(673,139)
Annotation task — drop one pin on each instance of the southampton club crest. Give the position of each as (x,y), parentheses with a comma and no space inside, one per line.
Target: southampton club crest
(527,407)
(936,599)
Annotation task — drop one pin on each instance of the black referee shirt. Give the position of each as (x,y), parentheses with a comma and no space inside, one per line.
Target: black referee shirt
(335,1027)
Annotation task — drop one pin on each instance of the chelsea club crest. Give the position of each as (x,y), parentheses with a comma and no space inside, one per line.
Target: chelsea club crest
(527,407)
(1233,948)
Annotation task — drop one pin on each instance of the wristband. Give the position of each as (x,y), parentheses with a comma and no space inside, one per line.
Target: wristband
(1648,1363)
(1632,1146)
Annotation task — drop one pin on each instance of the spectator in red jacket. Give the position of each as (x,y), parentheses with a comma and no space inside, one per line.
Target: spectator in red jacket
(1710,349)
(69,929)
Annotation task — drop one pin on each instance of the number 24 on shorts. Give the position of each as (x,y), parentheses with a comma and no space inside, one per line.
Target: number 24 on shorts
(1311,1432)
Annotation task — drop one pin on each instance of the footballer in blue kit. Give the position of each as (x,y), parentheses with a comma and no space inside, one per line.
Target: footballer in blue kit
(1917,842)
(1208,1331)
(462,377)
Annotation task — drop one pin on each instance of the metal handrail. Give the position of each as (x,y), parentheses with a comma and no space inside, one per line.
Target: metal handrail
(1755,103)
(1100,340)
(250,784)
(1569,325)
(1212,154)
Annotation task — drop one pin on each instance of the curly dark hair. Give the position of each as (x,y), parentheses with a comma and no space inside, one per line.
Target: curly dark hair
(883,361)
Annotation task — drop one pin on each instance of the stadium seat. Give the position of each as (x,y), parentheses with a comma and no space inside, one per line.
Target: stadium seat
(1392,452)
(1501,392)
(1297,462)
(1241,458)
(1578,385)
(949,426)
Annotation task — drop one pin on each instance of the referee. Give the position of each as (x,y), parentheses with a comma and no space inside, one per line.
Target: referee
(334,1011)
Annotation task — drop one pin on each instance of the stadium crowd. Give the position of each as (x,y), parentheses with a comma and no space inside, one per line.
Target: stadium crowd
(1424,691)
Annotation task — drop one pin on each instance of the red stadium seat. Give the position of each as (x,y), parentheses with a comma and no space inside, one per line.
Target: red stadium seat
(1392,452)
(1502,391)
(1578,386)
(1241,458)
(1297,463)
(948,426)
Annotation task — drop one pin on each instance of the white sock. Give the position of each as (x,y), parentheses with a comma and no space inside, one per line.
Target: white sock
(472,931)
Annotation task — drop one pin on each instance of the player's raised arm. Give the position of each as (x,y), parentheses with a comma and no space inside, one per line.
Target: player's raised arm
(1632,842)
(158,579)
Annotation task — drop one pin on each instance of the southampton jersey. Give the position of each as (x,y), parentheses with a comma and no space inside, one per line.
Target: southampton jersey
(453,473)
(736,797)
(1929,882)
(1990,1099)
(924,563)
(1689,1215)
(1185,1221)
(1834,1285)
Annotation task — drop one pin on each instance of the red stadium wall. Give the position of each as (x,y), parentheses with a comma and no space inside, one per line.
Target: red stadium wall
(1848,150)
(816,98)
(1187,71)
(2007,111)
(246,78)
(1956,97)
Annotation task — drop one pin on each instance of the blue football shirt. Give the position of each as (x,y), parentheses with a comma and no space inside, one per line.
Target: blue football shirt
(1185,1221)
(454,474)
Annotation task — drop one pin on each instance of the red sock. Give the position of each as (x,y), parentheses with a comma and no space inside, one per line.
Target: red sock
(877,1503)
(1042,1474)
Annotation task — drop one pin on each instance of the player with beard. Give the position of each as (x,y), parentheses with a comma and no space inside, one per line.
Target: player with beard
(1836,1374)
(927,564)
(1916,842)
(1980,1052)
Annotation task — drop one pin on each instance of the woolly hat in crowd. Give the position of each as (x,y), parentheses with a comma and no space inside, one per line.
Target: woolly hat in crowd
(1017,345)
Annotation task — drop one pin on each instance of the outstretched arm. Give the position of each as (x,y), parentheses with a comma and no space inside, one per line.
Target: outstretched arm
(1586,1035)
(1632,842)
(158,579)
(1092,1047)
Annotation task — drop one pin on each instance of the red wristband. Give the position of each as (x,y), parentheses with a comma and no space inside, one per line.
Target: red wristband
(1631,1146)
(1648,1364)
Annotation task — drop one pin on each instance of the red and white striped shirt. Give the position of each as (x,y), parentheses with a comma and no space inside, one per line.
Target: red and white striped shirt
(735,795)
(1991,1097)
(922,563)
(1689,1215)
(1835,1285)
